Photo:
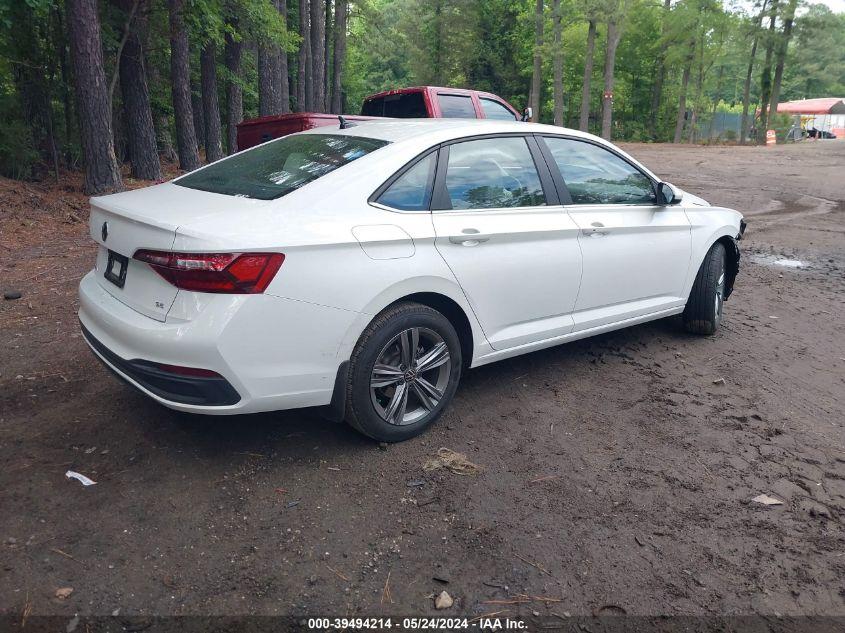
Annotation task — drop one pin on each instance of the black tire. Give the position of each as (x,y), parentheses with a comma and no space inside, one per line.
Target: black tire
(703,312)
(383,337)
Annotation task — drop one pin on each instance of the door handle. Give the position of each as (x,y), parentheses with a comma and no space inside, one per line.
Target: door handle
(469,237)
(594,232)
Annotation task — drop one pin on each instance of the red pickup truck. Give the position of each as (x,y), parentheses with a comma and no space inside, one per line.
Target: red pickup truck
(422,102)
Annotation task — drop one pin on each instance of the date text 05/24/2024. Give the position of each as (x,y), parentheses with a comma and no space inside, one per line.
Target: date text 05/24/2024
(427,624)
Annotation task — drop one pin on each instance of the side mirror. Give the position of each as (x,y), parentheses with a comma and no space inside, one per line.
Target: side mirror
(666,194)
(527,114)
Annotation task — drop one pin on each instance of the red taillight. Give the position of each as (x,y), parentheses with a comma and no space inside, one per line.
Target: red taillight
(240,273)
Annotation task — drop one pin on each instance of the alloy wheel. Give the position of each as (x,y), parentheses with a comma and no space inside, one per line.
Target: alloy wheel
(720,295)
(410,376)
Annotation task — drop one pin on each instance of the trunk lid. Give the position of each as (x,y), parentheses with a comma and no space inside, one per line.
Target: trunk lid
(148,218)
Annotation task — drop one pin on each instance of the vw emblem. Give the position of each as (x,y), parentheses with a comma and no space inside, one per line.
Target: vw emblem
(105,231)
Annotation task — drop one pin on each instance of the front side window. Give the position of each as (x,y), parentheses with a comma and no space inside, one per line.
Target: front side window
(493,173)
(412,190)
(495,110)
(274,169)
(456,107)
(595,175)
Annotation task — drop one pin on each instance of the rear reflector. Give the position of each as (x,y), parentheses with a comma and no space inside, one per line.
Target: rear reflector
(186,371)
(238,273)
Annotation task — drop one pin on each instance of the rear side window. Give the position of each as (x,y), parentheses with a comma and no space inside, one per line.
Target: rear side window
(595,175)
(493,173)
(456,107)
(409,105)
(412,190)
(495,110)
(272,170)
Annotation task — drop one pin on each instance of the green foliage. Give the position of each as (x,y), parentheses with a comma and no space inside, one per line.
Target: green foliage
(816,64)
(377,57)
(246,20)
(733,108)
(483,44)
(488,45)
(18,156)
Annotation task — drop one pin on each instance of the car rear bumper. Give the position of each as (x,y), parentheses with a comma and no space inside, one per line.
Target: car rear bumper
(271,353)
(194,390)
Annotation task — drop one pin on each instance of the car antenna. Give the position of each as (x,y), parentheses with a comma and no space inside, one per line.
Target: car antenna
(344,123)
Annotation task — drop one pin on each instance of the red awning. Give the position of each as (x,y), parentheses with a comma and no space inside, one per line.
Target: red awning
(829,105)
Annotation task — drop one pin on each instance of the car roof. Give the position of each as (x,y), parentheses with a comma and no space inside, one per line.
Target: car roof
(441,130)
(438,89)
(442,90)
(431,132)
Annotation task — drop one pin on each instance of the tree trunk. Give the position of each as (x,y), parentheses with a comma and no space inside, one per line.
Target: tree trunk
(659,75)
(437,53)
(613,36)
(746,91)
(304,84)
(327,52)
(180,80)
(340,10)
(119,134)
(766,77)
(282,89)
(715,102)
(537,77)
(267,77)
(682,101)
(780,58)
(65,75)
(234,93)
(101,171)
(557,60)
(33,92)
(693,130)
(318,68)
(210,104)
(584,121)
(199,116)
(141,135)
(164,140)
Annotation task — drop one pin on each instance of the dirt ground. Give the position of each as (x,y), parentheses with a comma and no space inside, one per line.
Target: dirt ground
(618,472)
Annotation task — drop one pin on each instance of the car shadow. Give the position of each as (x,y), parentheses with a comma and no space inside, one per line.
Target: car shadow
(292,432)
(296,432)
(670,328)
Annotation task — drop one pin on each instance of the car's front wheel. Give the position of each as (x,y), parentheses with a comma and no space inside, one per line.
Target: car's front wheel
(403,372)
(703,312)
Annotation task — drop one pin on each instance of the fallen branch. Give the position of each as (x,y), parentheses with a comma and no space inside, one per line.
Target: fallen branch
(545,599)
(26,611)
(522,598)
(534,565)
(66,555)
(487,615)
(337,573)
(385,593)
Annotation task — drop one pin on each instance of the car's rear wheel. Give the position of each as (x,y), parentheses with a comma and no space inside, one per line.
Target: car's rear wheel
(403,372)
(703,312)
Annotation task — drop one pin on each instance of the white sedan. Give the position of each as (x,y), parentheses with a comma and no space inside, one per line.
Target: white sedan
(364,268)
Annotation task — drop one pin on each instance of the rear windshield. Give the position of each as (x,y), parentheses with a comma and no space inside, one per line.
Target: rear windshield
(274,169)
(406,105)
